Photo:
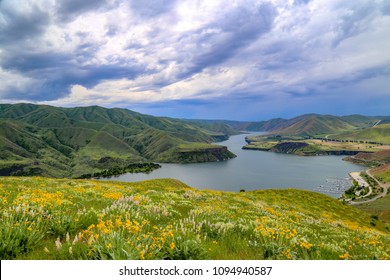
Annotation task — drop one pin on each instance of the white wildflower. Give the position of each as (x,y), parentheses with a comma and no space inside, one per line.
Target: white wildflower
(58,244)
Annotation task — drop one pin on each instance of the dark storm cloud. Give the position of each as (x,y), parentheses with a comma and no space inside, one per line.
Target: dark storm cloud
(235,31)
(16,26)
(55,84)
(34,63)
(57,72)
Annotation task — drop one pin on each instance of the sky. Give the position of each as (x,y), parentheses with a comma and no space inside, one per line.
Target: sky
(236,60)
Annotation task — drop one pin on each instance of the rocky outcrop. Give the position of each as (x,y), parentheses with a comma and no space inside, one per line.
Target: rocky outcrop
(338,153)
(288,147)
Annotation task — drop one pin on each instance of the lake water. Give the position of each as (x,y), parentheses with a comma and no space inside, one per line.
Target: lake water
(252,170)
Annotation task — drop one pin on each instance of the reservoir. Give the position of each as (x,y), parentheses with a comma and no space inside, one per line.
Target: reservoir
(252,170)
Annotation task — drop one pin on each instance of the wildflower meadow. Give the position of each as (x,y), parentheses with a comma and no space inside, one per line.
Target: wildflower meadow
(165,219)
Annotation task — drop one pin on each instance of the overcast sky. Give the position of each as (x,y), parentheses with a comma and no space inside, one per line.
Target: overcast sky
(243,60)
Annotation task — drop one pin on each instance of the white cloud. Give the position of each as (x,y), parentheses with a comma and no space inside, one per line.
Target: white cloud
(14,82)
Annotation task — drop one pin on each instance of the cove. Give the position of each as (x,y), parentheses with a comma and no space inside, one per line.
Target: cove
(253,170)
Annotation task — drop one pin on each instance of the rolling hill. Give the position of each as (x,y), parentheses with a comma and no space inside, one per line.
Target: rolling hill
(321,125)
(63,142)
(44,218)
(316,125)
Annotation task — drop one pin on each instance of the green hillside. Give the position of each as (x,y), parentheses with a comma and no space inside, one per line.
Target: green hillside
(361,121)
(379,133)
(314,125)
(165,219)
(69,142)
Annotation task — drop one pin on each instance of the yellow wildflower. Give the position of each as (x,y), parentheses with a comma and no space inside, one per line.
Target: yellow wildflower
(305,245)
(142,255)
(287,254)
(345,256)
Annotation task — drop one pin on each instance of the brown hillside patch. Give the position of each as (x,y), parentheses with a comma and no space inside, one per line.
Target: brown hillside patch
(385,216)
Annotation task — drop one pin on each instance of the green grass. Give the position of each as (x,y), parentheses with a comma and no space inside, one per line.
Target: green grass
(314,147)
(379,208)
(195,147)
(382,173)
(165,219)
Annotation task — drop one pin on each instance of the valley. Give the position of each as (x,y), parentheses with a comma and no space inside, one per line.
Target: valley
(364,141)
(178,194)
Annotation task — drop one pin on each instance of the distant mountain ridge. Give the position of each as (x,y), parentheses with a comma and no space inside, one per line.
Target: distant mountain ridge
(306,125)
(353,127)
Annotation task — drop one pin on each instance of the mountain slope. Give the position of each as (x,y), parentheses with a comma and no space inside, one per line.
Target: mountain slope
(309,125)
(62,142)
(360,121)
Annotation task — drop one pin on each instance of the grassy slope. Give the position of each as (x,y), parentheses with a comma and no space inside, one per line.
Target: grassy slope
(195,147)
(379,208)
(382,173)
(315,147)
(360,121)
(166,219)
(380,133)
(315,125)
(64,142)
